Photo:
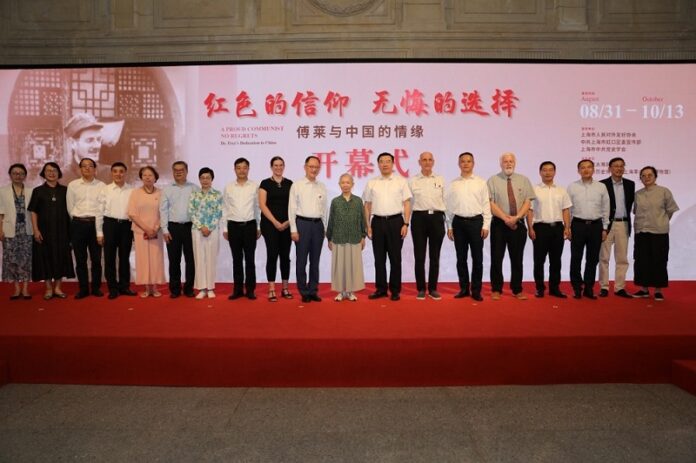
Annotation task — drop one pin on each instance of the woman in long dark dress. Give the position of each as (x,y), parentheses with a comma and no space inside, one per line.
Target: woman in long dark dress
(16,232)
(51,260)
(274,195)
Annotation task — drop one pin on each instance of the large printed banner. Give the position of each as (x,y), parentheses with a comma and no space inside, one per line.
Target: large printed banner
(348,113)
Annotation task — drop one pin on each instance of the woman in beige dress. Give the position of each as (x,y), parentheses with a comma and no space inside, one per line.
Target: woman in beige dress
(143,210)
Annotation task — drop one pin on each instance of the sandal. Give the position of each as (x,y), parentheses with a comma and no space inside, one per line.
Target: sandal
(286,293)
(272,296)
(48,295)
(60,295)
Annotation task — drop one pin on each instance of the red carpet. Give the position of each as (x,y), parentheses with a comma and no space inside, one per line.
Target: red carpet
(368,343)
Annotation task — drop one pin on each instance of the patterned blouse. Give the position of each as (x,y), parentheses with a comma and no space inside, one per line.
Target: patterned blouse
(205,209)
(346,221)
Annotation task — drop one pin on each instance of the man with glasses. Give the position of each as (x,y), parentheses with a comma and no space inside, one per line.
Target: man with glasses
(307,211)
(621,193)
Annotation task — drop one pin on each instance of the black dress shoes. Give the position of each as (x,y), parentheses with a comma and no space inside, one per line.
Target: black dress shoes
(234,296)
(477,297)
(623,293)
(539,293)
(577,294)
(97,293)
(128,292)
(306,299)
(314,298)
(395,297)
(113,294)
(251,296)
(189,294)
(461,294)
(589,294)
(558,294)
(174,295)
(377,295)
(603,292)
(81,295)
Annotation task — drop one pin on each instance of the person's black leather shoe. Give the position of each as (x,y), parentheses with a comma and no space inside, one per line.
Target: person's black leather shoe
(558,294)
(251,296)
(539,293)
(461,294)
(113,294)
(395,297)
(623,293)
(234,296)
(477,297)
(306,299)
(314,298)
(128,292)
(589,294)
(377,295)
(97,293)
(603,292)
(81,295)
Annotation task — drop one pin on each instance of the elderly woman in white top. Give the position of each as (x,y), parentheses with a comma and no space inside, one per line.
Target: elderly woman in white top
(653,208)
(16,232)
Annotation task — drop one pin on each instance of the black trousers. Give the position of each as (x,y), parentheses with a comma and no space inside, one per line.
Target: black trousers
(427,231)
(278,244)
(548,242)
(83,237)
(118,241)
(181,243)
(586,238)
(467,236)
(242,239)
(651,253)
(503,237)
(308,247)
(386,241)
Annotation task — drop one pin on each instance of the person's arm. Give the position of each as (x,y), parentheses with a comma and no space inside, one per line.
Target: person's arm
(99,218)
(35,225)
(530,224)
(368,213)
(70,200)
(407,215)
(566,223)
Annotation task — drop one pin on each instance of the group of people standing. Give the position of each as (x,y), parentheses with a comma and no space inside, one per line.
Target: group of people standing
(42,228)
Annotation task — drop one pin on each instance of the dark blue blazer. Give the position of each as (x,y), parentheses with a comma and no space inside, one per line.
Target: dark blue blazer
(629,187)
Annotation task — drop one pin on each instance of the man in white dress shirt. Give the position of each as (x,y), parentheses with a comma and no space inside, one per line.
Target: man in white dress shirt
(469,219)
(114,231)
(83,208)
(548,221)
(427,224)
(387,213)
(242,214)
(307,212)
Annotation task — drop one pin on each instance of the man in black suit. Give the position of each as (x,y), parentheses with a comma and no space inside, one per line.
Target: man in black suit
(621,194)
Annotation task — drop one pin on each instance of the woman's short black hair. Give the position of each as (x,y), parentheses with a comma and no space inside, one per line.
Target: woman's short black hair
(151,169)
(42,174)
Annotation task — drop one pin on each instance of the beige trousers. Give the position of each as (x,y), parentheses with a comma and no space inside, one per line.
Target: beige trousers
(618,238)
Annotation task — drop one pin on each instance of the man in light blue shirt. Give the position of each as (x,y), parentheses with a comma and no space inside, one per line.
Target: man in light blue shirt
(588,228)
(176,228)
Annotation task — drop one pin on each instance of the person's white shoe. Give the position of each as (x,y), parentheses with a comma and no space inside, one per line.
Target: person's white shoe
(339,297)
(352,297)
(211,294)
(201,294)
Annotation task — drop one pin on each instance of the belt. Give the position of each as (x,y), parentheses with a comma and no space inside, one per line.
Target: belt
(549,224)
(308,219)
(474,217)
(111,219)
(386,217)
(84,219)
(188,224)
(622,219)
(586,221)
(428,212)
(242,223)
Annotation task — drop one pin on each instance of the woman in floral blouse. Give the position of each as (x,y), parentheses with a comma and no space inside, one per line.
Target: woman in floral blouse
(205,209)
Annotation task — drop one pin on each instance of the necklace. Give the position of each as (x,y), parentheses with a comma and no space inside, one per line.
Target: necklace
(149,192)
(21,192)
